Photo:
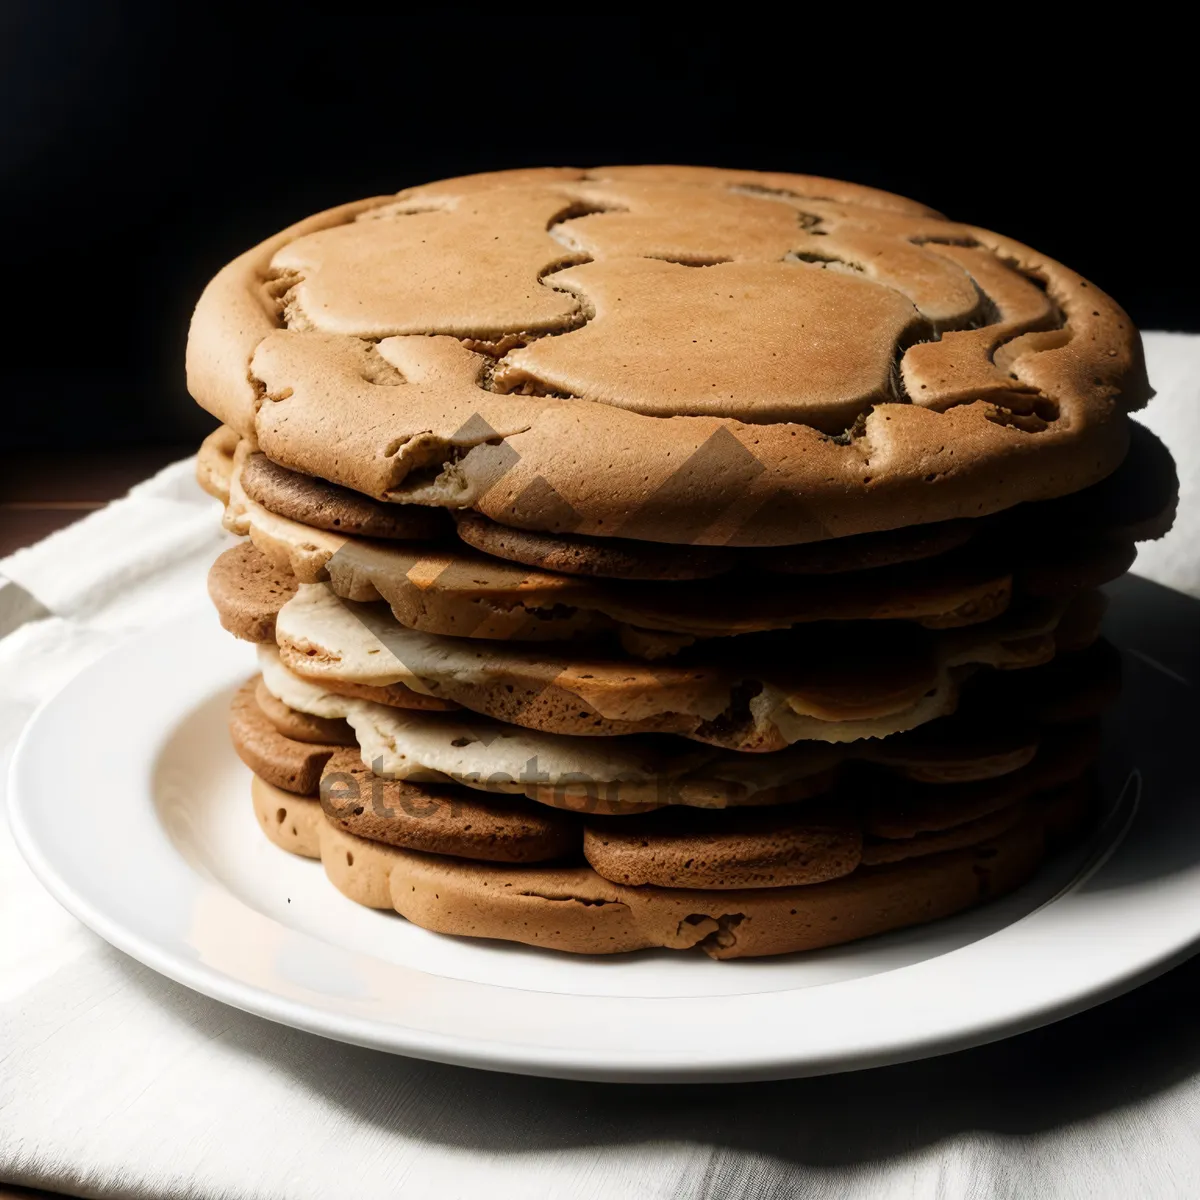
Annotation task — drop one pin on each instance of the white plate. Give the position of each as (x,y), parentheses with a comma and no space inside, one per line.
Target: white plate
(133,810)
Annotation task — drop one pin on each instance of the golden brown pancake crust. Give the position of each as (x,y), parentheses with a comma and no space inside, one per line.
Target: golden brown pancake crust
(368,346)
(214,462)
(573,909)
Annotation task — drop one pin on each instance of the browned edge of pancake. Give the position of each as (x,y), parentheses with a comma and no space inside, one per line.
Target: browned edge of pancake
(324,505)
(1135,503)
(302,726)
(443,818)
(293,766)
(248,591)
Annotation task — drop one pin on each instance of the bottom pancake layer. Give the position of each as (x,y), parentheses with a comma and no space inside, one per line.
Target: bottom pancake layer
(572,908)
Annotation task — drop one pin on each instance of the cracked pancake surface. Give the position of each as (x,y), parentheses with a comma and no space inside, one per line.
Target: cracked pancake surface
(669,354)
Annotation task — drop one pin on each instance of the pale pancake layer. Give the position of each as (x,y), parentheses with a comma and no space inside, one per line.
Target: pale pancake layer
(760,697)
(629,774)
(479,752)
(805,840)
(893,802)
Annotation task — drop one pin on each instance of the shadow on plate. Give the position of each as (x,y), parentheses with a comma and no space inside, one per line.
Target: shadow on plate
(1134,1047)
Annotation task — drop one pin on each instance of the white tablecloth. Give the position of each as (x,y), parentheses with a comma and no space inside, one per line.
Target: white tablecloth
(116,1082)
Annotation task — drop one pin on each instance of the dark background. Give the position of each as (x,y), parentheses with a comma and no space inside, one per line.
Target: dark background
(143,148)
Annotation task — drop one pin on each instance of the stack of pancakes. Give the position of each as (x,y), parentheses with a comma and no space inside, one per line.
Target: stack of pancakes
(662,556)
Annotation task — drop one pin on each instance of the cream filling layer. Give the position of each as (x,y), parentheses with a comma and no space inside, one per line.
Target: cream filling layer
(326,636)
(491,755)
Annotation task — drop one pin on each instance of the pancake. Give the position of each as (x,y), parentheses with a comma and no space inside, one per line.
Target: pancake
(443,819)
(753,848)
(398,347)
(462,593)
(866,551)
(791,846)
(289,765)
(958,749)
(1135,503)
(323,505)
(292,822)
(573,909)
(793,879)
(558,769)
(302,726)
(623,558)
(786,845)
(761,697)
(1070,688)
(248,592)
(605,558)
(632,773)
(878,851)
(897,809)
(214,462)
(826,838)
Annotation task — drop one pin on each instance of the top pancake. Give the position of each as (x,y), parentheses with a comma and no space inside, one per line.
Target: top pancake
(723,370)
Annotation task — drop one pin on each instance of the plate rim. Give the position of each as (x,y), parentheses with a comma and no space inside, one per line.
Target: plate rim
(465,1049)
